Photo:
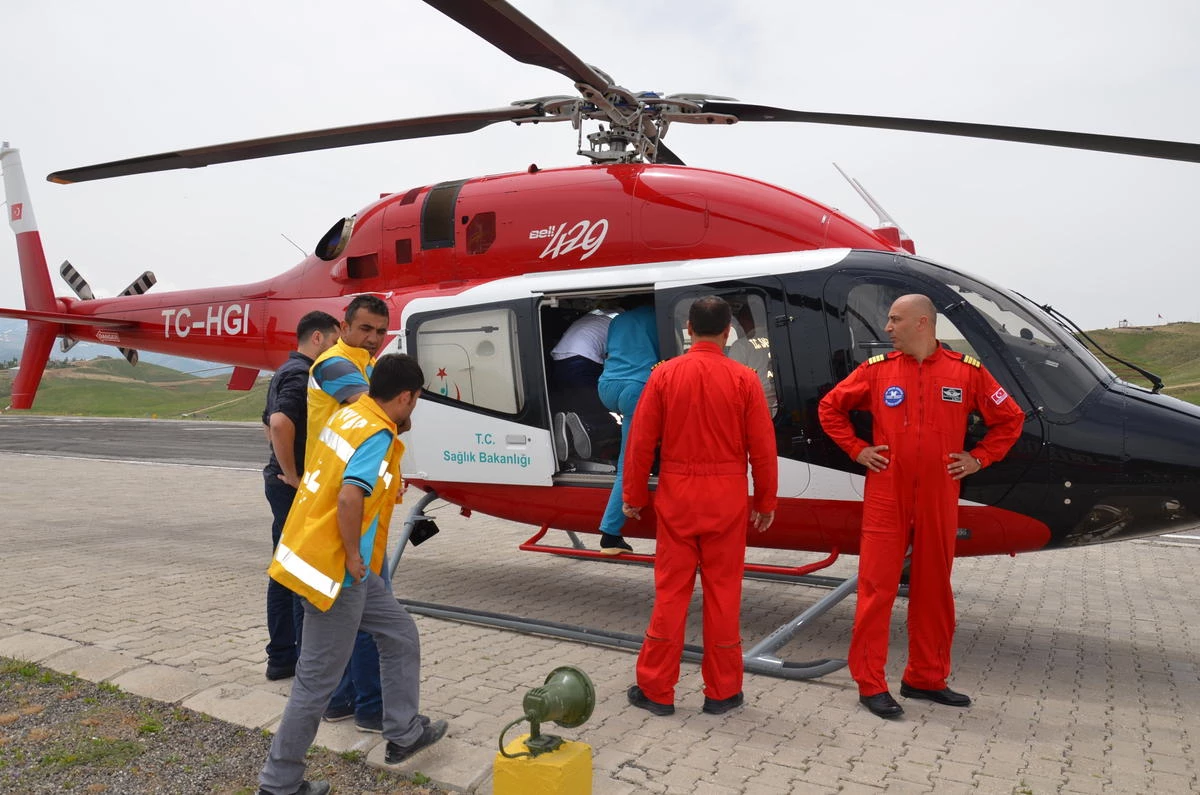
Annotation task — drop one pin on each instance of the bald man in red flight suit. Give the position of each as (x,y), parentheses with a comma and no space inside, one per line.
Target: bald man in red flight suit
(920,396)
(710,415)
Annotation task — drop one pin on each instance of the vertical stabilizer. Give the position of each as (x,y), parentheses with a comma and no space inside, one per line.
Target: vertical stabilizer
(35,279)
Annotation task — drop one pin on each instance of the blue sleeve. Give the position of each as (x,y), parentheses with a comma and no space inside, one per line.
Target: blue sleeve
(363,468)
(339,378)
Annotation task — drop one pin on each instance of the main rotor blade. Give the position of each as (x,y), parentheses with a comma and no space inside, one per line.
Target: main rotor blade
(519,37)
(378,132)
(1142,147)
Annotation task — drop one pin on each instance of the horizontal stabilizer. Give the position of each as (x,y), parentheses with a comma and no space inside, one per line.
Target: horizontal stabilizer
(64,318)
(242,379)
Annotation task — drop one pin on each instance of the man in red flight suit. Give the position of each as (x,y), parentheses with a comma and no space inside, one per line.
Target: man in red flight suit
(710,415)
(919,396)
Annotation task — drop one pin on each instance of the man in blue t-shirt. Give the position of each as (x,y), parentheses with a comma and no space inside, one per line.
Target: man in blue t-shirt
(285,420)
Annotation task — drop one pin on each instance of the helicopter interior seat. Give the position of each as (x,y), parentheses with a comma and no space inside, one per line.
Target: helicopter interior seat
(555,321)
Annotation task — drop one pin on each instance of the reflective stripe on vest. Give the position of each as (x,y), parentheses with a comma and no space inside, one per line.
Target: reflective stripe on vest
(301,570)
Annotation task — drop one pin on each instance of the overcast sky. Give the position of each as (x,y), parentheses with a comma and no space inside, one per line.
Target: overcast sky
(1101,237)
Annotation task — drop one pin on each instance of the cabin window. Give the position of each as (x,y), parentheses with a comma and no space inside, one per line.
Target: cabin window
(749,337)
(472,357)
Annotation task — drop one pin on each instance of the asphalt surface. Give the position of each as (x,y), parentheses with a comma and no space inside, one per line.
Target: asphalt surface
(1082,663)
(223,444)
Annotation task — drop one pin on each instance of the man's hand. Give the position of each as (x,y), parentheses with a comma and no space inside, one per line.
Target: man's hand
(356,567)
(291,480)
(873,459)
(630,511)
(762,521)
(961,465)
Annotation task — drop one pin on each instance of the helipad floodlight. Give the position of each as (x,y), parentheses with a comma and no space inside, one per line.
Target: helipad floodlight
(567,698)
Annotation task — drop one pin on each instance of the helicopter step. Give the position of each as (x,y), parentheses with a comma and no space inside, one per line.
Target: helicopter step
(760,659)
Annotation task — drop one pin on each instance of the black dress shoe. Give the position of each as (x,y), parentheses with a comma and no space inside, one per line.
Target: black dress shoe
(394,753)
(719,706)
(642,701)
(882,704)
(944,696)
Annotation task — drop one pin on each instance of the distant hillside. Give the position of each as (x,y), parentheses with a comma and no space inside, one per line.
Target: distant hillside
(1170,351)
(112,388)
(12,340)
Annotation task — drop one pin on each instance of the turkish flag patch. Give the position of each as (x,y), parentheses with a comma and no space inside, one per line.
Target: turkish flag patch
(999,396)
(16,210)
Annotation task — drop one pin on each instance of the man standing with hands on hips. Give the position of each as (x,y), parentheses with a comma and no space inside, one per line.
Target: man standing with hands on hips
(920,397)
(710,416)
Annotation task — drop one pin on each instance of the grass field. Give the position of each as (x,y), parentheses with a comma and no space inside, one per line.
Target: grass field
(110,387)
(1171,351)
(113,388)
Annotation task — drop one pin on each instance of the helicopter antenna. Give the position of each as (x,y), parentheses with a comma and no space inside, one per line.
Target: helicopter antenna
(293,242)
(885,219)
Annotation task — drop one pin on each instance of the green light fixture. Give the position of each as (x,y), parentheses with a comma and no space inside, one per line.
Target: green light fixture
(567,698)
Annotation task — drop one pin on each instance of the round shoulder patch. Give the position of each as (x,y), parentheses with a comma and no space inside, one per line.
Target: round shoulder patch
(893,396)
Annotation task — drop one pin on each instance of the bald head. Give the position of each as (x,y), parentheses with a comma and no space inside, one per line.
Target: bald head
(911,325)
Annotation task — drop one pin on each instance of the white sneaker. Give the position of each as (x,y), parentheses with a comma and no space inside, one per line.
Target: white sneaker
(558,435)
(579,435)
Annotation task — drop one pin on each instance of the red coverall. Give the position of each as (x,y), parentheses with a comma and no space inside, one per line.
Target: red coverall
(710,414)
(920,411)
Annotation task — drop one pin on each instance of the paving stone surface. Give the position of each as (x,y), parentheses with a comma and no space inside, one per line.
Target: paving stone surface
(1082,663)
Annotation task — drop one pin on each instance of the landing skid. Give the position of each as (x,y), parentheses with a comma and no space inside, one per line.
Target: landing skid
(759,659)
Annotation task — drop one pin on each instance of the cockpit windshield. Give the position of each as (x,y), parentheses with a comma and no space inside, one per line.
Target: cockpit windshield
(1062,370)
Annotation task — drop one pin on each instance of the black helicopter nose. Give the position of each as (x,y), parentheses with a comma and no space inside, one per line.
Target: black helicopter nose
(1148,486)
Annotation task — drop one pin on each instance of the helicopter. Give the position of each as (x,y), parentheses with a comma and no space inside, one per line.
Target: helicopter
(482,275)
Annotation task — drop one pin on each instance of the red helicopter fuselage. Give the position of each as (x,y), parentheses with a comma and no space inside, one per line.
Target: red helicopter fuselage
(444,237)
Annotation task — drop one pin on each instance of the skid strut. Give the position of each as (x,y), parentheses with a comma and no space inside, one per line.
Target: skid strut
(760,659)
(415,514)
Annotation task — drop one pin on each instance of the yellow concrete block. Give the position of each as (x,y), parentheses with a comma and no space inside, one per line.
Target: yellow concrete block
(565,771)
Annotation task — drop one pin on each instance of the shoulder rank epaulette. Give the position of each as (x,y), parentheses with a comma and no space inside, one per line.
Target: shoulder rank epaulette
(656,364)
(877,359)
(971,360)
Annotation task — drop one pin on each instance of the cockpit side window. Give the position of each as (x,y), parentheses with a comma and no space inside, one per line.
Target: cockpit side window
(867,306)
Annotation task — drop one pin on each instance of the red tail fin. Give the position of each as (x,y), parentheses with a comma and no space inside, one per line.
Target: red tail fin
(35,278)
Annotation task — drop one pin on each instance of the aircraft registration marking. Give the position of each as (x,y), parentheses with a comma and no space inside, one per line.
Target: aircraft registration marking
(219,320)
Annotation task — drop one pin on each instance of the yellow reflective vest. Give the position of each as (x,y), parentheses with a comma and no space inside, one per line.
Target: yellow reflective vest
(321,404)
(310,559)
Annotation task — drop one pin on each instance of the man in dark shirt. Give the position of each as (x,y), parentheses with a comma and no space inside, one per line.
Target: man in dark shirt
(285,420)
